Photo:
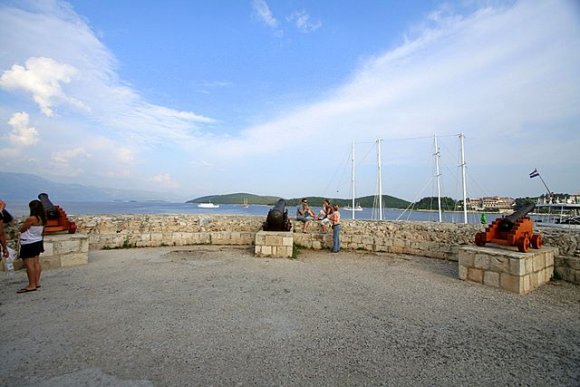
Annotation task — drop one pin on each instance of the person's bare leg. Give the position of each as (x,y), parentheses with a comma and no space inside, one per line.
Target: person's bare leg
(38,270)
(30,273)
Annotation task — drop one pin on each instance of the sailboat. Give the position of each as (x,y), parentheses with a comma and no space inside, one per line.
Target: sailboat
(245,204)
(356,208)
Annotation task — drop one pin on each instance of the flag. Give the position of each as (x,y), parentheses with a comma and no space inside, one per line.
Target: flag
(535,173)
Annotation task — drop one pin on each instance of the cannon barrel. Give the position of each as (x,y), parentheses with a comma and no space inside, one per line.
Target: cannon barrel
(277,219)
(523,211)
(49,208)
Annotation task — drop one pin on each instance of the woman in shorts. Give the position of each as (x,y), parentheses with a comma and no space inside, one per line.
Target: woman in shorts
(31,244)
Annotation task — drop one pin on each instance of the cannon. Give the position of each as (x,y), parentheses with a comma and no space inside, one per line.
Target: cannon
(513,230)
(277,219)
(56,218)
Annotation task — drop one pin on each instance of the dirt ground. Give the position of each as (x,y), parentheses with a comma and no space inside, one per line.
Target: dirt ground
(212,315)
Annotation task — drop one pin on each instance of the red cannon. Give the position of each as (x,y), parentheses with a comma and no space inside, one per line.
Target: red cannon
(513,230)
(56,219)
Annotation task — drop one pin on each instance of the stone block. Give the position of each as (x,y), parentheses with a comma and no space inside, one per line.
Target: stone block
(66,246)
(462,272)
(499,264)
(475,275)
(145,237)
(510,283)
(517,266)
(466,258)
(491,278)
(481,261)
(550,260)
(526,283)
(48,248)
(50,262)
(529,264)
(74,259)
(539,262)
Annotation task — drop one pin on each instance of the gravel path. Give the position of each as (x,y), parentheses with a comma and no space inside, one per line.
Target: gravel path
(212,315)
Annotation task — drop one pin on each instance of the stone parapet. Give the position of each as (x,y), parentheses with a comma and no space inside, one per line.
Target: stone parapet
(62,250)
(568,269)
(428,239)
(506,268)
(276,244)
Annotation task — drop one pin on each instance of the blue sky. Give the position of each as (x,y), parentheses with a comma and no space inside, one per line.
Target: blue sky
(190,98)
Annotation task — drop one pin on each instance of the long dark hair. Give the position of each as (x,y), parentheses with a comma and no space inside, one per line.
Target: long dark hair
(37,209)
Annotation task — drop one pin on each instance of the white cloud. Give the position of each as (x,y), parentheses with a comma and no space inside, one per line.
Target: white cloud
(41,77)
(505,76)
(165,181)
(69,162)
(262,10)
(303,21)
(22,134)
(68,155)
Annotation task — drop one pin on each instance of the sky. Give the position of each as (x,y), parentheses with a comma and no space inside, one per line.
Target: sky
(193,98)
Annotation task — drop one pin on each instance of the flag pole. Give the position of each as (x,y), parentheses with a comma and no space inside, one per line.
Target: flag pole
(536,173)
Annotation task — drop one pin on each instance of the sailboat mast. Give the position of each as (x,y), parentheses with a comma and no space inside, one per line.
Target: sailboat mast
(353,181)
(380,178)
(438,176)
(461,138)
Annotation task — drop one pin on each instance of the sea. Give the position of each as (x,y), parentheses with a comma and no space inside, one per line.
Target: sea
(74,208)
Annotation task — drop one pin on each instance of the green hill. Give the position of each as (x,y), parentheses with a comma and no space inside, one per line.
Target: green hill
(314,201)
(236,198)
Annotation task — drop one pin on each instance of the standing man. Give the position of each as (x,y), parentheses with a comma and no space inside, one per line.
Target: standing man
(335,221)
(3,238)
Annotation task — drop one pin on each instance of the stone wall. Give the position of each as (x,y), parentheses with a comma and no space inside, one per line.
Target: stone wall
(428,239)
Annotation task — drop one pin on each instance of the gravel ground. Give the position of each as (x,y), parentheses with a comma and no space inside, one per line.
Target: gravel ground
(212,315)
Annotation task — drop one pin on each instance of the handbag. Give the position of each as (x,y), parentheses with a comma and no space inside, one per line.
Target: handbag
(6,216)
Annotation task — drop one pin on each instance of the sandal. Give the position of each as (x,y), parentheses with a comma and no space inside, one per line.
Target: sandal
(24,290)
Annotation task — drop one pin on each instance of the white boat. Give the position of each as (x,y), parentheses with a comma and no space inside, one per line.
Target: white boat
(356,208)
(245,204)
(208,205)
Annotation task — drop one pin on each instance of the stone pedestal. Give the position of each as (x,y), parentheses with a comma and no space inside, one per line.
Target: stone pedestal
(277,244)
(507,268)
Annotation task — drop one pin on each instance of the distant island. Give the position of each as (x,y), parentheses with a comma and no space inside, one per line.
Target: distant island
(315,201)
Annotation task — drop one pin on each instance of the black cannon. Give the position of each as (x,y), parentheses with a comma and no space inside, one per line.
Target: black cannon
(277,219)
(56,218)
(509,221)
(49,208)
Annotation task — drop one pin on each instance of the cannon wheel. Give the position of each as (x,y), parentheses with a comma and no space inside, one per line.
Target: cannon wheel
(536,241)
(524,244)
(72,228)
(480,239)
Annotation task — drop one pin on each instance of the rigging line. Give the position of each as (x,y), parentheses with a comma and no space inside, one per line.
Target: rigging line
(365,156)
(415,199)
(335,173)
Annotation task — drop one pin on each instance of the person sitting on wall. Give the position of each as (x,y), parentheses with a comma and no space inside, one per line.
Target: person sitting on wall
(304,214)
(324,214)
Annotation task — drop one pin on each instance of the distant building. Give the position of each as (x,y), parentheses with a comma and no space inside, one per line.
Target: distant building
(493,203)
(559,198)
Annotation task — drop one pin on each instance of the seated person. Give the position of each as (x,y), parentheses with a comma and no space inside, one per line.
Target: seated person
(304,213)
(323,215)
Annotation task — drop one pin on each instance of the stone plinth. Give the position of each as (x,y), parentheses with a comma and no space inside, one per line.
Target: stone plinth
(62,250)
(506,268)
(277,244)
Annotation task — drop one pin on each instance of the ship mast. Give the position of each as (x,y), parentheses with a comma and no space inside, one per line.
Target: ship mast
(461,138)
(438,176)
(353,181)
(380,178)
